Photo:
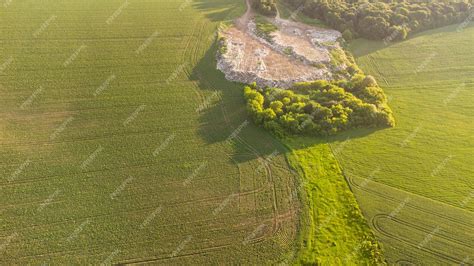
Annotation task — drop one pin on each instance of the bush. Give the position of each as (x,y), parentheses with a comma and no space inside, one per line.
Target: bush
(277,107)
(265,7)
(347,35)
(320,107)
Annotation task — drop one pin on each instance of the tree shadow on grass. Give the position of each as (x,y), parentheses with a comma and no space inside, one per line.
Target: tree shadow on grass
(340,138)
(227,120)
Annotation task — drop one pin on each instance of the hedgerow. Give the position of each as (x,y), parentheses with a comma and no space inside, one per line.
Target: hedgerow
(320,107)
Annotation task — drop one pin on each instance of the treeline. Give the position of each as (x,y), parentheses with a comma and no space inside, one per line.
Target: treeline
(388,20)
(265,7)
(320,107)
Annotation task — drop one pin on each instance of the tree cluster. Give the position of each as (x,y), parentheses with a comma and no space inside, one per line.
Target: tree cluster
(320,107)
(265,7)
(388,20)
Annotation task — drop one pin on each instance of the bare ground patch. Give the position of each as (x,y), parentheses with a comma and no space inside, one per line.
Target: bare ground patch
(295,52)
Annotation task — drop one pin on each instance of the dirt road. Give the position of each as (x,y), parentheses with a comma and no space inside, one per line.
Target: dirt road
(241,23)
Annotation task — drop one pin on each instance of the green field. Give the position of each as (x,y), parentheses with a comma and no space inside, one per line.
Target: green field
(334,232)
(414,182)
(121,143)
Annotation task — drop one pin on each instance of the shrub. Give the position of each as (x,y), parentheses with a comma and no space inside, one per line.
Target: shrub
(347,35)
(265,7)
(265,28)
(320,107)
(277,107)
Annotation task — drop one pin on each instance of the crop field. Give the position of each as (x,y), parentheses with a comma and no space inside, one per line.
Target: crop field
(121,143)
(415,182)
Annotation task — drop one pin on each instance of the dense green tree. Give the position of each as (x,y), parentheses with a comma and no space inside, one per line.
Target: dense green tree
(320,107)
(277,107)
(388,20)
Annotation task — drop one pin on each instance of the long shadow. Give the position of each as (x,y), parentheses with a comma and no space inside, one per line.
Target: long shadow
(346,136)
(227,121)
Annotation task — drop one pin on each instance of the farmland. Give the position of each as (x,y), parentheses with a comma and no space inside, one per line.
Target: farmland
(414,183)
(121,143)
(334,232)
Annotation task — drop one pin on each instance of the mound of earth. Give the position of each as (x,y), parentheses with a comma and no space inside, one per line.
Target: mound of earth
(294,52)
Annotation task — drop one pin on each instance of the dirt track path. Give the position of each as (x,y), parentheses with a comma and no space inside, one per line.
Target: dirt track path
(241,23)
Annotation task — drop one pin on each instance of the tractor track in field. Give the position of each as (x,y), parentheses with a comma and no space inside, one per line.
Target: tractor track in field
(130,244)
(101,137)
(244,20)
(448,238)
(404,262)
(435,253)
(239,221)
(269,174)
(124,245)
(169,257)
(253,241)
(268,170)
(409,205)
(376,220)
(146,209)
(27,181)
(253,151)
(277,218)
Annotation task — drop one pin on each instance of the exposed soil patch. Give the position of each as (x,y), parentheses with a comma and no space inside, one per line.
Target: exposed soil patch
(295,52)
(248,60)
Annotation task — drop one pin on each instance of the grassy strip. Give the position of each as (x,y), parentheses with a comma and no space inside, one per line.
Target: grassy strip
(334,231)
(265,28)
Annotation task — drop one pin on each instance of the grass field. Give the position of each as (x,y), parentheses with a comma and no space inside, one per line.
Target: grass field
(415,182)
(334,232)
(121,143)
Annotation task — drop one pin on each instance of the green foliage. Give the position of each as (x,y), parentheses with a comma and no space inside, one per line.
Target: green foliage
(338,57)
(222,47)
(265,28)
(389,21)
(221,40)
(320,107)
(335,231)
(265,7)
(288,50)
(348,35)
